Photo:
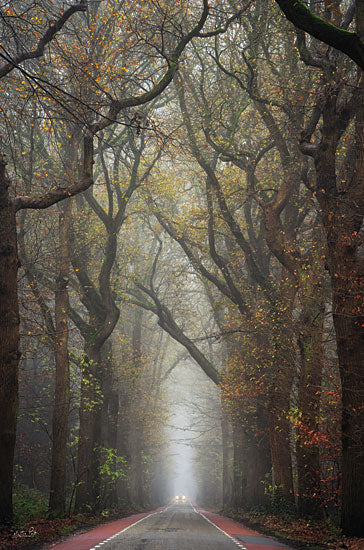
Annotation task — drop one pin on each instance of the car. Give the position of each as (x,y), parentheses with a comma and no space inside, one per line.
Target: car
(179,498)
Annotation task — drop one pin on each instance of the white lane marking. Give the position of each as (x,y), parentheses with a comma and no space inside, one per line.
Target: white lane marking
(128,527)
(222,531)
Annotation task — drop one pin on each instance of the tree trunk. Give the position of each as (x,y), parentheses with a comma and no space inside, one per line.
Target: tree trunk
(137,470)
(279,408)
(9,345)
(350,339)
(279,432)
(347,276)
(137,466)
(108,427)
(112,422)
(124,429)
(342,215)
(89,409)
(258,458)
(309,390)
(238,466)
(62,389)
(226,489)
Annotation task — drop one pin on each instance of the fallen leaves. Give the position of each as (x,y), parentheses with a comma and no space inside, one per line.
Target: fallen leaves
(302,533)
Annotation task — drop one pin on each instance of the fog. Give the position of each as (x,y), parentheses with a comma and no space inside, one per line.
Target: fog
(181,258)
(181,432)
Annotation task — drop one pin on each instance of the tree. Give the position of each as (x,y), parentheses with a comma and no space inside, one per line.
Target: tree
(350,43)
(340,193)
(9,309)
(9,206)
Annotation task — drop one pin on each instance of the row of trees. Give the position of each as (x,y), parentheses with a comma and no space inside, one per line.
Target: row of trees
(72,94)
(240,190)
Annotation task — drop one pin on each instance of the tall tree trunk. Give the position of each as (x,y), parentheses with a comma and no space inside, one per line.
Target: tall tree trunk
(347,276)
(124,429)
(106,435)
(259,462)
(309,390)
(342,215)
(226,489)
(62,388)
(110,417)
(238,465)
(137,470)
(350,338)
(9,345)
(279,432)
(279,409)
(137,466)
(112,423)
(90,407)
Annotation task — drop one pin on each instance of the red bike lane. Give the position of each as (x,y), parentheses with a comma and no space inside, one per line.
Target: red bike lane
(246,538)
(87,541)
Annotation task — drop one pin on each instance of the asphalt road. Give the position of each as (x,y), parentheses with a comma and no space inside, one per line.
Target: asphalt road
(178,527)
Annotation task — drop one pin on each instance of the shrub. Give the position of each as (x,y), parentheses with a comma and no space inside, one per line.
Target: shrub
(28,504)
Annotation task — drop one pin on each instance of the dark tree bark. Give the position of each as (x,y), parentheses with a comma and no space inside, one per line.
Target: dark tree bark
(62,387)
(280,387)
(350,43)
(9,344)
(238,465)
(136,432)
(279,431)
(90,407)
(259,462)
(90,411)
(310,343)
(342,215)
(225,441)
(109,421)
(123,446)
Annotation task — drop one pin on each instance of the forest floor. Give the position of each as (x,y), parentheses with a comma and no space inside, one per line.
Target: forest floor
(36,534)
(303,534)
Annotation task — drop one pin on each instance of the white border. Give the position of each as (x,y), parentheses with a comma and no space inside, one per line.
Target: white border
(222,531)
(100,544)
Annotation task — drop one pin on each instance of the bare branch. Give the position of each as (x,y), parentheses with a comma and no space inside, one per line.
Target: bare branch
(46,39)
(61,193)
